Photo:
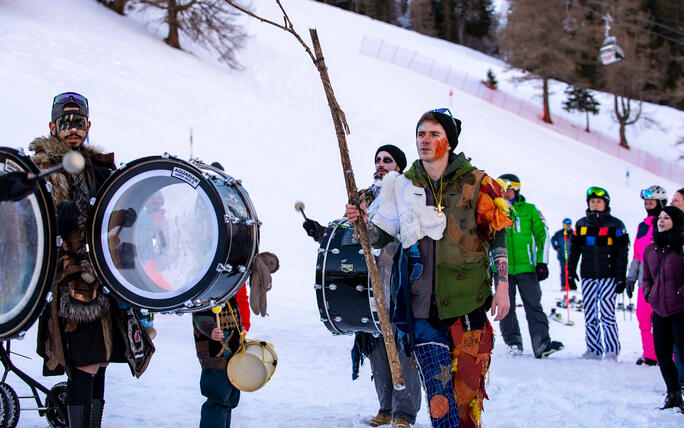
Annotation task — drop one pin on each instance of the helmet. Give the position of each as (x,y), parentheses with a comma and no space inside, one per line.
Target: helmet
(654,192)
(567,221)
(511,181)
(598,192)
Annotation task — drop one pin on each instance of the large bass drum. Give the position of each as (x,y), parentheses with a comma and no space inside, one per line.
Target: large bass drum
(168,235)
(343,290)
(28,251)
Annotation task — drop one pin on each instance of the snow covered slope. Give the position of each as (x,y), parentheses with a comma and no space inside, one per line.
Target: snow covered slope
(270,125)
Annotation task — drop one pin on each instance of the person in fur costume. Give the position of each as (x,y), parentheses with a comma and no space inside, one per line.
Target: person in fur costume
(448,216)
(83,329)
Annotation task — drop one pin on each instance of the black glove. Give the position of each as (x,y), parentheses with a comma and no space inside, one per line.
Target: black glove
(630,289)
(67,218)
(313,229)
(572,278)
(18,186)
(620,285)
(542,271)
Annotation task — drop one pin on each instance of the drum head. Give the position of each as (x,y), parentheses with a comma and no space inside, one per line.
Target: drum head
(157,234)
(28,251)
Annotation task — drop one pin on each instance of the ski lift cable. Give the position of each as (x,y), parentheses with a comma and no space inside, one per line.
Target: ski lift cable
(635,16)
(655,33)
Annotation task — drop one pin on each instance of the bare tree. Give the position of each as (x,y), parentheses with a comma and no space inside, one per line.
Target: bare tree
(210,23)
(536,40)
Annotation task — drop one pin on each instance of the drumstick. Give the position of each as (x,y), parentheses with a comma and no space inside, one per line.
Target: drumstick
(217,311)
(299,206)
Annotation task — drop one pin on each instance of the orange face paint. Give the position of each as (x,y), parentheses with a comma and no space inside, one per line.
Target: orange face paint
(441,147)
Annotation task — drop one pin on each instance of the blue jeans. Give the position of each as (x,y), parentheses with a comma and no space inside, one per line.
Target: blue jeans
(222,397)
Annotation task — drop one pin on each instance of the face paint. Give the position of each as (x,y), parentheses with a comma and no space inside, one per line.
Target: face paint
(441,147)
(73,121)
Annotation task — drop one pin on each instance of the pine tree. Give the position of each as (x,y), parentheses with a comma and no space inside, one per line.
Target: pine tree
(491,81)
(581,100)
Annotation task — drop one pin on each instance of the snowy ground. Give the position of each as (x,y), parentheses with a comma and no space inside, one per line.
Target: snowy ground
(269,125)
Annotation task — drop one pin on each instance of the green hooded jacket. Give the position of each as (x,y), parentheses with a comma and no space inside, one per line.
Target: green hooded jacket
(527,240)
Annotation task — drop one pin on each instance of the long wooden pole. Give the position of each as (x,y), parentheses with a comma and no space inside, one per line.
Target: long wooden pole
(359,226)
(341,130)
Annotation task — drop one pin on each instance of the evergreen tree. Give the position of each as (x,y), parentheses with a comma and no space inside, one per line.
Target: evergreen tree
(581,100)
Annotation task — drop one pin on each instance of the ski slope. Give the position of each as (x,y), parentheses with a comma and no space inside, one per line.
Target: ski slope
(269,125)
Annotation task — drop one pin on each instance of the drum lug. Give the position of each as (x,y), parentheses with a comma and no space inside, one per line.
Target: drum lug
(48,297)
(324,319)
(224,268)
(122,165)
(321,250)
(376,335)
(337,318)
(317,286)
(360,288)
(242,268)
(250,222)
(59,241)
(87,248)
(92,201)
(198,302)
(365,320)
(166,155)
(335,251)
(332,287)
(105,289)
(188,304)
(144,311)
(48,186)
(228,219)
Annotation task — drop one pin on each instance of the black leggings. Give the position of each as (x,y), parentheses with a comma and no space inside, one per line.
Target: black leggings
(668,331)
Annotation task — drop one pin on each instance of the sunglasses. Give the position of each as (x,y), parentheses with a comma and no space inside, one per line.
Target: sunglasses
(73,121)
(70,97)
(385,159)
(598,192)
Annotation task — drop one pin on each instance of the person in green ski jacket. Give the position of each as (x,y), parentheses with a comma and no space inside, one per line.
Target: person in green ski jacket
(528,252)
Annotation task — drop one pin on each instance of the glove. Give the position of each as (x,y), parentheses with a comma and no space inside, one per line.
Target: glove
(542,271)
(630,288)
(313,229)
(620,285)
(572,278)
(19,185)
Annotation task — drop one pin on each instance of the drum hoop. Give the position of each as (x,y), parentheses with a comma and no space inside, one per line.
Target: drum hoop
(255,228)
(323,283)
(37,301)
(95,251)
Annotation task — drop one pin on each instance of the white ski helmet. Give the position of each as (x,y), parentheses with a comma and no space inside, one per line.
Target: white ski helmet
(654,192)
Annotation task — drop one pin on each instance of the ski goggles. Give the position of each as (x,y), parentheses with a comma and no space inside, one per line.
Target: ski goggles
(445,111)
(61,100)
(508,184)
(597,192)
(650,194)
(567,221)
(72,121)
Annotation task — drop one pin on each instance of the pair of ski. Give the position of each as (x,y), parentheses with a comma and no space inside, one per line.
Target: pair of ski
(559,317)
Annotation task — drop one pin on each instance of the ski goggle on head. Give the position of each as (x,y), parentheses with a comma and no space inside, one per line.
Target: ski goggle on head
(445,111)
(508,184)
(597,192)
(71,99)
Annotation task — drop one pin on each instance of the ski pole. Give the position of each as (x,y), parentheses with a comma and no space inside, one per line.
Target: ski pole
(567,281)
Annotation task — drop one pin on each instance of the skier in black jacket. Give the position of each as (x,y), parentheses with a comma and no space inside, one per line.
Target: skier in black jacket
(603,243)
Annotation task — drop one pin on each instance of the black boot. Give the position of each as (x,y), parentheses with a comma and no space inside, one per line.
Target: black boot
(79,415)
(96,409)
(672,400)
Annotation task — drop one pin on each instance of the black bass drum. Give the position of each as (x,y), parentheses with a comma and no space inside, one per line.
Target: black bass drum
(343,290)
(28,251)
(172,236)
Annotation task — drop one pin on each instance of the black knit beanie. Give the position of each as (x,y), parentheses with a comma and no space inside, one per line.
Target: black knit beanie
(676,215)
(670,238)
(452,127)
(397,154)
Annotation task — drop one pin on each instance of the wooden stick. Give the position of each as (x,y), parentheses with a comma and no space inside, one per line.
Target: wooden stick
(341,130)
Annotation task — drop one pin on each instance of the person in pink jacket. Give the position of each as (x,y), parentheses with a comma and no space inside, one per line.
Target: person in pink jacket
(655,199)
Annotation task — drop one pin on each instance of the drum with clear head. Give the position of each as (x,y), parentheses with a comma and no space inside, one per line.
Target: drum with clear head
(28,250)
(169,235)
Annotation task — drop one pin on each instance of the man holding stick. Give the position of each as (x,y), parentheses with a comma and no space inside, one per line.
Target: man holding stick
(448,216)
(399,407)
